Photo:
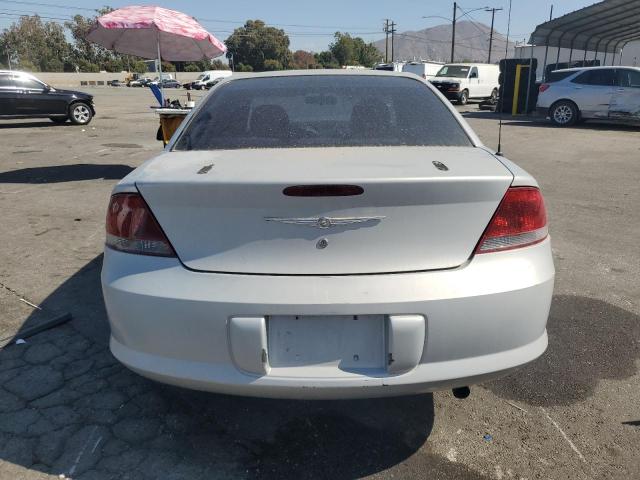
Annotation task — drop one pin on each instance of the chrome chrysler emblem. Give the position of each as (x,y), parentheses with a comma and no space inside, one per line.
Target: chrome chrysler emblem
(323,222)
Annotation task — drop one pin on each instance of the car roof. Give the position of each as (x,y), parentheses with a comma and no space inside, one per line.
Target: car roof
(320,72)
(601,67)
(18,72)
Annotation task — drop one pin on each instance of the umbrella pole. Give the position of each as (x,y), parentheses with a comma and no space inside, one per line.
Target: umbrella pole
(160,71)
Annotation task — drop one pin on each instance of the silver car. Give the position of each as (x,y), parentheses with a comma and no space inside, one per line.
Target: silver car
(323,234)
(598,93)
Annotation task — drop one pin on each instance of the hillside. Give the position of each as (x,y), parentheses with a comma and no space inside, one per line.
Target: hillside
(472,43)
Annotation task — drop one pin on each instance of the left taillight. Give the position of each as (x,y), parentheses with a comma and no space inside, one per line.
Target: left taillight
(132,228)
(519,221)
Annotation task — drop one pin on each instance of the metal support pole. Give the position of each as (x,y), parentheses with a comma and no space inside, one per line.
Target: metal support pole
(393,31)
(526,105)
(453,32)
(160,71)
(615,49)
(493,15)
(546,48)
(386,41)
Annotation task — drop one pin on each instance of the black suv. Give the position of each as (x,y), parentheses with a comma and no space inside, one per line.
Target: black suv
(24,96)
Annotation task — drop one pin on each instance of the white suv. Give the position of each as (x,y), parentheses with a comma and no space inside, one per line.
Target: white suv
(606,93)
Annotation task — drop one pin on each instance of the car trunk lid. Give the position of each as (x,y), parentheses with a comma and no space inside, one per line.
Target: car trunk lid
(419,208)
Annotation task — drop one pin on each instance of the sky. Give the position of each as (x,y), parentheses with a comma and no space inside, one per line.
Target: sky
(310,25)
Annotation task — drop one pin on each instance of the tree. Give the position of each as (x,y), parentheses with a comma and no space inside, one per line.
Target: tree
(86,53)
(139,66)
(326,60)
(219,65)
(353,51)
(303,59)
(271,65)
(35,45)
(255,43)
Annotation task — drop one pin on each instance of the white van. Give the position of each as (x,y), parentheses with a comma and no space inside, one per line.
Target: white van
(208,76)
(423,69)
(464,81)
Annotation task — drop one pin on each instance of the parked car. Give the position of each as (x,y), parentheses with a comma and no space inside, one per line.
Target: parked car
(200,83)
(115,83)
(24,96)
(326,234)
(426,70)
(598,93)
(140,82)
(170,83)
(464,81)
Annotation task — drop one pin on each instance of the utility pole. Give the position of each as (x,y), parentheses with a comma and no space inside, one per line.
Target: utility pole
(393,31)
(386,41)
(493,15)
(453,32)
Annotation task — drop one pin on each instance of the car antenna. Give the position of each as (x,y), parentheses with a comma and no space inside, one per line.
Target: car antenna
(504,81)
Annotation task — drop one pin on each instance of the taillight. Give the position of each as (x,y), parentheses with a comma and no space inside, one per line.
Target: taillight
(132,228)
(543,87)
(521,220)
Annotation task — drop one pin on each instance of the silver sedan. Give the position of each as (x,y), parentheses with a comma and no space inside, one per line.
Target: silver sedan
(326,235)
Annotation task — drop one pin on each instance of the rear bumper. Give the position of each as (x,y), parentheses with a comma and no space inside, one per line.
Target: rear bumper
(481,321)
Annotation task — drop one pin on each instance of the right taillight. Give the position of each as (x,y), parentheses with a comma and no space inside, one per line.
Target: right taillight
(543,87)
(521,220)
(132,228)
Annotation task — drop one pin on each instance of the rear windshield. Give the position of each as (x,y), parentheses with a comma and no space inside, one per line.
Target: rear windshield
(322,111)
(559,75)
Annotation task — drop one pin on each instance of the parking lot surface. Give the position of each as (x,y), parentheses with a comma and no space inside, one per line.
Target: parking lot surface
(67,407)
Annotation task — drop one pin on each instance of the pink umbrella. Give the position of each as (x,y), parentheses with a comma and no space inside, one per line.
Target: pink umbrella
(155,32)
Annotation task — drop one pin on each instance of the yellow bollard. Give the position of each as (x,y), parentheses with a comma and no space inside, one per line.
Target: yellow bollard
(516,91)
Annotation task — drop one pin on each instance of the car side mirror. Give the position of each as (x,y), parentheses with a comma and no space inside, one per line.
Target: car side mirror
(473,75)
(46,89)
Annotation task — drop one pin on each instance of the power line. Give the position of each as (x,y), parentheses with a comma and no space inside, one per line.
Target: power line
(54,5)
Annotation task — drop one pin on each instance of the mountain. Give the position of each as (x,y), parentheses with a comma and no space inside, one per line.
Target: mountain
(472,43)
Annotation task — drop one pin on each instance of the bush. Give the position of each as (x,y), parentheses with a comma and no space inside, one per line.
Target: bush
(191,68)
(241,67)
(271,65)
(139,67)
(86,66)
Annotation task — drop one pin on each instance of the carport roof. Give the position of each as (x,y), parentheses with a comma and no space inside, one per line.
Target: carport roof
(604,27)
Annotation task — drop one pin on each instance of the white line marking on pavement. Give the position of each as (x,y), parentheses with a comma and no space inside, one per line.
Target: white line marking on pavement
(564,435)
(84,447)
(96,445)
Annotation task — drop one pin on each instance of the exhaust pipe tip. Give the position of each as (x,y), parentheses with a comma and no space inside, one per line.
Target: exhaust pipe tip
(461,392)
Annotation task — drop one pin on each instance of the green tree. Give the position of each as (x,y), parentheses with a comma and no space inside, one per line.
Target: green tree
(35,45)
(219,65)
(139,66)
(271,65)
(255,43)
(348,50)
(86,53)
(241,67)
(326,60)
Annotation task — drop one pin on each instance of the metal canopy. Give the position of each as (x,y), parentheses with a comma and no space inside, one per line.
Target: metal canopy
(603,27)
